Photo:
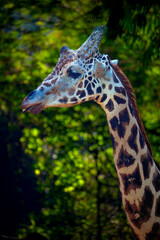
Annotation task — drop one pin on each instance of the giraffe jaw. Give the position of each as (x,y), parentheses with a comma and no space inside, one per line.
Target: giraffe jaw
(36,108)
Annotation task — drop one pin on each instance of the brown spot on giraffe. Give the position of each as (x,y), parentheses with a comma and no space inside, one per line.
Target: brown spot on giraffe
(48,93)
(120,90)
(54,81)
(141,140)
(141,213)
(133,138)
(63,100)
(85,83)
(125,159)
(124,117)
(122,124)
(110,105)
(71,91)
(114,143)
(103,85)
(155,232)
(41,88)
(131,181)
(74,99)
(147,163)
(80,85)
(46,84)
(115,79)
(114,123)
(156,180)
(89,89)
(81,93)
(110,86)
(119,100)
(104,97)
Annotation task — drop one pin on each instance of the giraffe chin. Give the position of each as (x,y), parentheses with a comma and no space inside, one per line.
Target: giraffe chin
(35,108)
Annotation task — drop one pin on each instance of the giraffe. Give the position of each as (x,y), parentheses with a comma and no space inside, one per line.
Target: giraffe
(86,74)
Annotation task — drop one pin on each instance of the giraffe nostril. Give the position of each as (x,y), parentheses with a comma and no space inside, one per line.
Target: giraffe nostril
(31,94)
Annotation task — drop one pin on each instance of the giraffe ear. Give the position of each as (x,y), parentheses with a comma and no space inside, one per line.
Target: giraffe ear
(115,61)
(99,69)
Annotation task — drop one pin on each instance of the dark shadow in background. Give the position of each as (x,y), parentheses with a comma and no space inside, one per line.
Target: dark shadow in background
(18,189)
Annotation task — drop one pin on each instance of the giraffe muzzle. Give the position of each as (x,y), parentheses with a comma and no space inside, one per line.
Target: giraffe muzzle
(31,103)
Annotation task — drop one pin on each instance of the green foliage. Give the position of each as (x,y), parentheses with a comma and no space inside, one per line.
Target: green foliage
(65,155)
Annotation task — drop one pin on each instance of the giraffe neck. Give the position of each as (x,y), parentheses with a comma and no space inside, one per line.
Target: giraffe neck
(138,175)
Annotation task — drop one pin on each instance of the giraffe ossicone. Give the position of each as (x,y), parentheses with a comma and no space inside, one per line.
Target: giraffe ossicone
(86,74)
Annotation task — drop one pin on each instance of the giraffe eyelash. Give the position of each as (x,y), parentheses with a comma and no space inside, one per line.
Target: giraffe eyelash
(72,73)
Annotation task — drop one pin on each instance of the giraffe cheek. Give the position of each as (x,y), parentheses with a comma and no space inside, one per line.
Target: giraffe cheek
(64,87)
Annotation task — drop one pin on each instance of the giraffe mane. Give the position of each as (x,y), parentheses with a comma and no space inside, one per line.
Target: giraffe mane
(132,98)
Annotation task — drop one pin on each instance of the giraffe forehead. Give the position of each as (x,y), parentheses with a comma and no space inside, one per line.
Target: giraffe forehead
(72,58)
(84,55)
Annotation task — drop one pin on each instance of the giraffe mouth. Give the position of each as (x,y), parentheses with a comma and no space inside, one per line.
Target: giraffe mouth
(37,108)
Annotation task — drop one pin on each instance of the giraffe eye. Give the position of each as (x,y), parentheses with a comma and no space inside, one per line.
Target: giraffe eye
(73,73)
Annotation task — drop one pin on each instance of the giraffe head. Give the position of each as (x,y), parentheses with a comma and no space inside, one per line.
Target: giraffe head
(77,77)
